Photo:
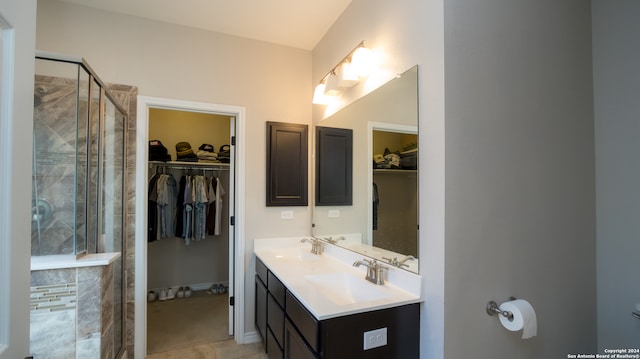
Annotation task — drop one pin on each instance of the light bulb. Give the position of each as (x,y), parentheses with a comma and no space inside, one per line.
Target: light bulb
(363,62)
(319,97)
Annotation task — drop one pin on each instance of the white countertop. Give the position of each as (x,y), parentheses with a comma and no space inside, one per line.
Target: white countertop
(292,262)
(70,261)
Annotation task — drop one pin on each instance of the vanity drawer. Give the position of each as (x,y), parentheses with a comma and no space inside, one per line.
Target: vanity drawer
(276,288)
(273,348)
(295,347)
(261,307)
(261,271)
(303,320)
(275,319)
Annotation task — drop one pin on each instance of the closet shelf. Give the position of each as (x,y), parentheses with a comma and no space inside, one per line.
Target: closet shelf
(189,165)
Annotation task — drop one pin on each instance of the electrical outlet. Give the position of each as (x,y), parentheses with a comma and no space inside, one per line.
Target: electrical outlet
(286,214)
(375,338)
(334,213)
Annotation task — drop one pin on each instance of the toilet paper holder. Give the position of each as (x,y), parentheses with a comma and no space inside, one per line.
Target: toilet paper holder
(493,309)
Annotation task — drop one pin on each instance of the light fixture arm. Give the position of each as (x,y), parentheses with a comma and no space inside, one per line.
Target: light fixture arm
(344,59)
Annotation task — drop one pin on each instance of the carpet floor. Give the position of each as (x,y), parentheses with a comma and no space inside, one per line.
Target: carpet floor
(187,322)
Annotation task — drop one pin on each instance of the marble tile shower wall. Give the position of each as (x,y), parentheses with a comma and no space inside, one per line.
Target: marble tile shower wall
(56,139)
(72,313)
(127,97)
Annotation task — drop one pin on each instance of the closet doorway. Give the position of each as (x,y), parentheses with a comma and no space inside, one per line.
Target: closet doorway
(191,256)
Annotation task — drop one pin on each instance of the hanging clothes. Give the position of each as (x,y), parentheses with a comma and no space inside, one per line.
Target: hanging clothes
(180,207)
(219,193)
(152,210)
(376,203)
(187,215)
(161,215)
(167,199)
(201,201)
(211,210)
(190,208)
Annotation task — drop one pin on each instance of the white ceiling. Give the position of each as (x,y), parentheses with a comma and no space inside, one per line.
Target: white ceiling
(296,23)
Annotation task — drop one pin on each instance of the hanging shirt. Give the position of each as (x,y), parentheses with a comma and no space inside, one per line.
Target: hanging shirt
(211,211)
(187,232)
(219,193)
(152,210)
(167,196)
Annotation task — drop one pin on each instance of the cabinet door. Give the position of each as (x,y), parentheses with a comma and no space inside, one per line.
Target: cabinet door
(261,308)
(275,319)
(287,164)
(294,345)
(334,166)
(273,348)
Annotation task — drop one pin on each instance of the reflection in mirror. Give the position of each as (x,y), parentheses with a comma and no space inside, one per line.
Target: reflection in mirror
(382,221)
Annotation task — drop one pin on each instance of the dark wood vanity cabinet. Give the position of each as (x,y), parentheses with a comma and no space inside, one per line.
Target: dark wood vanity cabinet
(292,332)
(261,299)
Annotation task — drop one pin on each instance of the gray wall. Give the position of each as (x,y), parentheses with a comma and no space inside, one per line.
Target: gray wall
(520,192)
(616,59)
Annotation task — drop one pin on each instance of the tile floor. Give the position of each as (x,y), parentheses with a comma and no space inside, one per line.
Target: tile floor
(194,328)
(187,322)
(227,349)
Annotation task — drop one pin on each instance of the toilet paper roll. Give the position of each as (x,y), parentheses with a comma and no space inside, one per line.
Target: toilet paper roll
(524,317)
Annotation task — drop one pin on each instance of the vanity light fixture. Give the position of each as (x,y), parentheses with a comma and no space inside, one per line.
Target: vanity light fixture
(358,63)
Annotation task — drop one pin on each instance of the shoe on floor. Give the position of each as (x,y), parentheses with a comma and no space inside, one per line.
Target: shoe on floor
(180,292)
(187,292)
(171,294)
(151,296)
(163,295)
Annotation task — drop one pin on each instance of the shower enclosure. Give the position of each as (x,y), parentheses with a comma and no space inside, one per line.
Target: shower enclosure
(78,173)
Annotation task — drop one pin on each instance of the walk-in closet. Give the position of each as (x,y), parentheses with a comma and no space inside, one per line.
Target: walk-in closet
(189,232)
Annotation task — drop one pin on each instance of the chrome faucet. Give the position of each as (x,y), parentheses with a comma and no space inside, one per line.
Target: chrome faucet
(396,263)
(334,241)
(374,270)
(408,258)
(316,245)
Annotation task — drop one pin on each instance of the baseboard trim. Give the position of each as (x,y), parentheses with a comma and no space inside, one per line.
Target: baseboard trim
(251,337)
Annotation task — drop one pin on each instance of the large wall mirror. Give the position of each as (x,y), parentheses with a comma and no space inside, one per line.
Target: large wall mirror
(382,220)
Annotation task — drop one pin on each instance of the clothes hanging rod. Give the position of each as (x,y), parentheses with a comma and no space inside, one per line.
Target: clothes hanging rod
(191,165)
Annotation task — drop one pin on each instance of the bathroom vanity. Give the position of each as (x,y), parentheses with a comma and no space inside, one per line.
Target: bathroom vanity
(320,306)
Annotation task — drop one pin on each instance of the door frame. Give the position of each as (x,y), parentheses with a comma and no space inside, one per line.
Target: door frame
(142,138)
(17,20)
(387,127)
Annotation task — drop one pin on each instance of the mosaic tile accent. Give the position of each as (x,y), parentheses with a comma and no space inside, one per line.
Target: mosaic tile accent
(53,298)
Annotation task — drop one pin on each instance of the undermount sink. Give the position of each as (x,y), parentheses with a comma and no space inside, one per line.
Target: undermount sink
(301,254)
(342,288)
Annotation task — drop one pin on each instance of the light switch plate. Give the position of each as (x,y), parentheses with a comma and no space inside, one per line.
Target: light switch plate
(375,338)
(286,214)
(334,213)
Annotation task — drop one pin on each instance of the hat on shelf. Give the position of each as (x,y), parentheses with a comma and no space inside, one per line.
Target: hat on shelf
(184,152)
(206,147)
